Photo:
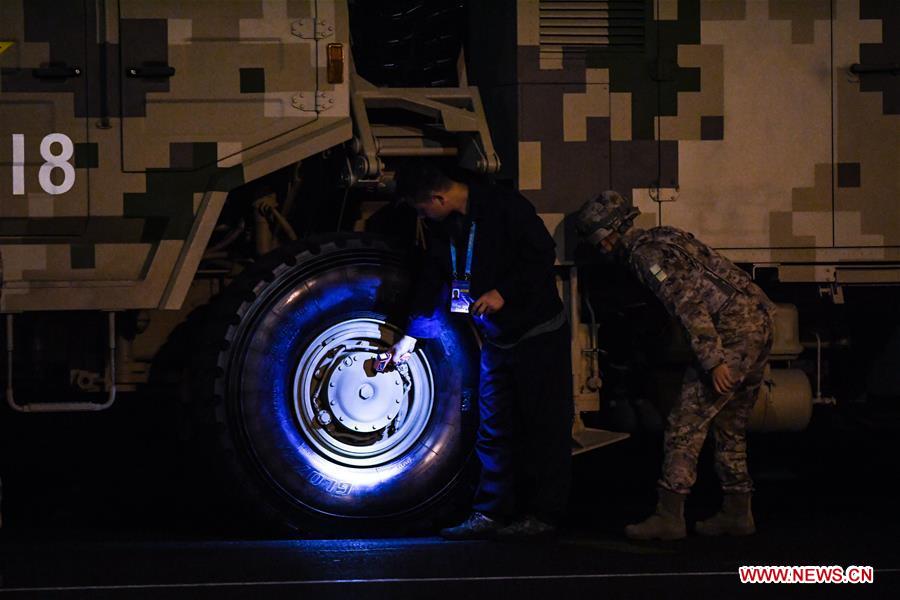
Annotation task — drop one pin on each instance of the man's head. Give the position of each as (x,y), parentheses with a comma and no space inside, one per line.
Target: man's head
(434,191)
(601,221)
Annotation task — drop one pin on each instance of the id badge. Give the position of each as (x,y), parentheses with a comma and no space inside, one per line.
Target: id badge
(460,298)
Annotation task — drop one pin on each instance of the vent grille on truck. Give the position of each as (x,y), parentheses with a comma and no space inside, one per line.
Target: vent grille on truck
(581,25)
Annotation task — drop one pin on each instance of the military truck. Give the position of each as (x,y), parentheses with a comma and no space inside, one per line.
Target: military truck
(158,155)
(768,129)
(196,202)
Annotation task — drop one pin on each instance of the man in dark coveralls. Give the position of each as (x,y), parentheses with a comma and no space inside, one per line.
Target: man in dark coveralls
(728,320)
(489,252)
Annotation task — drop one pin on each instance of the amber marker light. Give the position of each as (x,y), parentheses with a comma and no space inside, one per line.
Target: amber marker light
(335,63)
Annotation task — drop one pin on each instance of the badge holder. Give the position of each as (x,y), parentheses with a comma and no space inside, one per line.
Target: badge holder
(460,288)
(460,296)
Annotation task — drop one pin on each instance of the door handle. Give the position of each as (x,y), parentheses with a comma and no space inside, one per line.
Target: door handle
(56,71)
(150,71)
(858,69)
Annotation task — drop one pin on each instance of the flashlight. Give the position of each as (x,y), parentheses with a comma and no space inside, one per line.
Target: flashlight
(381,362)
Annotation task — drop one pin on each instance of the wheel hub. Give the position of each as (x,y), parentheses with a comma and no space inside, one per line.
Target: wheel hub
(346,410)
(360,399)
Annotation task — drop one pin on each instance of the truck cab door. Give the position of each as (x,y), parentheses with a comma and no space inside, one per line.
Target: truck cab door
(45,147)
(866,128)
(204,81)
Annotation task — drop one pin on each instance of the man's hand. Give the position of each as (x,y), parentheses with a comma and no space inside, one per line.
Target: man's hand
(489,303)
(402,350)
(723,379)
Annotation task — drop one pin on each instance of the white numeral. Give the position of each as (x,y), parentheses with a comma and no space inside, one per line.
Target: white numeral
(18,164)
(52,161)
(57,161)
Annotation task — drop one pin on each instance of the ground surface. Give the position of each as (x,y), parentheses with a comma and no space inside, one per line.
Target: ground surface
(93,508)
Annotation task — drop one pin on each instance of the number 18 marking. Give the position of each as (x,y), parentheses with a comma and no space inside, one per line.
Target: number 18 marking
(52,161)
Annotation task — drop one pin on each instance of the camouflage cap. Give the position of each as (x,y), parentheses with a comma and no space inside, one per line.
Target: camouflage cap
(604,215)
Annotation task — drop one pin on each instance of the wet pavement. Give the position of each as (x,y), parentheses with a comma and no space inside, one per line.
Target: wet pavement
(408,568)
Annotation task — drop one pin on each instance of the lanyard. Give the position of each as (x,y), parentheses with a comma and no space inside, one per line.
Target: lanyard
(469,251)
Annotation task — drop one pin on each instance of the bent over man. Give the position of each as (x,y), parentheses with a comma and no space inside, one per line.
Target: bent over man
(490,258)
(728,320)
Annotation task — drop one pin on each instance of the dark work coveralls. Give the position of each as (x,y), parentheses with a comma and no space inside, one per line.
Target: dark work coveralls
(525,393)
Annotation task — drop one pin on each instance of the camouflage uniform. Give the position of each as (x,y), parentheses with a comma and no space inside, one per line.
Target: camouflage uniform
(728,320)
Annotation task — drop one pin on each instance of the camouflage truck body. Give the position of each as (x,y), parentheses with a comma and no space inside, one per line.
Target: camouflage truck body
(162,108)
(770,129)
(129,129)
(152,168)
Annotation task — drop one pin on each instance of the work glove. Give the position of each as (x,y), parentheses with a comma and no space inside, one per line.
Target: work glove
(403,349)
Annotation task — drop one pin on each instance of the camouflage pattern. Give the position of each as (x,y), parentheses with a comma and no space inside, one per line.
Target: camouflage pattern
(695,284)
(738,120)
(154,156)
(745,330)
(607,213)
(126,125)
(728,320)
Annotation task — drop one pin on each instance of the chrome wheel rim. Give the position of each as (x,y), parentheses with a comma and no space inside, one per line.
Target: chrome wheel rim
(347,411)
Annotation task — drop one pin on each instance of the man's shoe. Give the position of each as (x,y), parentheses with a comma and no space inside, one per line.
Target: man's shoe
(477,527)
(529,528)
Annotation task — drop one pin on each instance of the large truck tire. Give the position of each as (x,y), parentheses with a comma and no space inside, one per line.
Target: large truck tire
(312,437)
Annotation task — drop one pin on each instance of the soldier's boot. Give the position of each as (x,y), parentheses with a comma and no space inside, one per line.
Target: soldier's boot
(667,523)
(734,518)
